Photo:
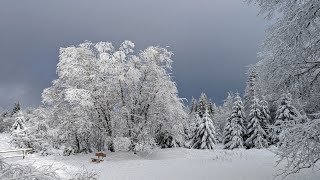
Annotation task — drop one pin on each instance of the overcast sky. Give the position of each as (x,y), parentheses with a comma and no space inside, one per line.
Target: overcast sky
(213,40)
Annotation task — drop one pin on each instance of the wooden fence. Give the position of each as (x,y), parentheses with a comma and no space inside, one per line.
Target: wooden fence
(24,152)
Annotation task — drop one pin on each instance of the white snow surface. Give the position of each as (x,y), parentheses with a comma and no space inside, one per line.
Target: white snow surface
(169,164)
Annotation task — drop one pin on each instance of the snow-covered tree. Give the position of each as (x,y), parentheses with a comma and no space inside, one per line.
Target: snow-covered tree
(222,114)
(290,63)
(228,102)
(192,119)
(265,114)
(101,88)
(300,145)
(19,134)
(250,91)
(198,108)
(237,128)
(257,136)
(285,116)
(191,126)
(42,172)
(16,108)
(212,108)
(289,60)
(205,133)
(202,105)
(193,107)
(7,118)
(19,123)
(4,124)
(227,132)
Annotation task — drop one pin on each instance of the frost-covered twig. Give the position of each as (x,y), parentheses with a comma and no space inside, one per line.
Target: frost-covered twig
(300,147)
(27,172)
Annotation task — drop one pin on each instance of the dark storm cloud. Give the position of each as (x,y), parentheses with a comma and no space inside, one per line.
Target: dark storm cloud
(213,40)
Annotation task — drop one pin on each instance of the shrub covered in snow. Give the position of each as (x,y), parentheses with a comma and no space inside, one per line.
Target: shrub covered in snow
(27,172)
(121,143)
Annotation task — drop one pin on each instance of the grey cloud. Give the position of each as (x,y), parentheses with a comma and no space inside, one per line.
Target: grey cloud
(213,40)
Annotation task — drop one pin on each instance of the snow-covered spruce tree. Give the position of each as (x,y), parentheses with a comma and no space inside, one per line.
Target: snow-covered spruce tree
(191,122)
(250,91)
(193,107)
(285,117)
(192,129)
(5,123)
(205,134)
(237,128)
(38,131)
(265,114)
(28,131)
(227,132)
(202,105)
(212,108)
(8,118)
(16,108)
(19,134)
(19,122)
(257,136)
(222,115)
(228,102)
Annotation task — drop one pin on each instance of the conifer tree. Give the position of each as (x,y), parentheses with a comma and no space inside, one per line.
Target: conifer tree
(221,116)
(192,120)
(249,92)
(193,107)
(211,107)
(16,108)
(19,122)
(228,102)
(285,116)
(227,132)
(257,136)
(19,136)
(237,129)
(202,105)
(205,134)
(265,113)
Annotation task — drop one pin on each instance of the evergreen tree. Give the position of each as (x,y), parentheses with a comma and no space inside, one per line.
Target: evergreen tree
(227,132)
(228,102)
(257,136)
(265,114)
(19,122)
(202,105)
(237,129)
(211,107)
(205,134)
(192,120)
(249,92)
(193,107)
(16,108)
(285,116)
(19,135)
(221,116)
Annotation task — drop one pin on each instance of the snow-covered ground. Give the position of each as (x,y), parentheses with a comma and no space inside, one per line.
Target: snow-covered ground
(169,164)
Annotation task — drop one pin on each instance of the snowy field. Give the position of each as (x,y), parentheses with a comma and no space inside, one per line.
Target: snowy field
(167,164)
